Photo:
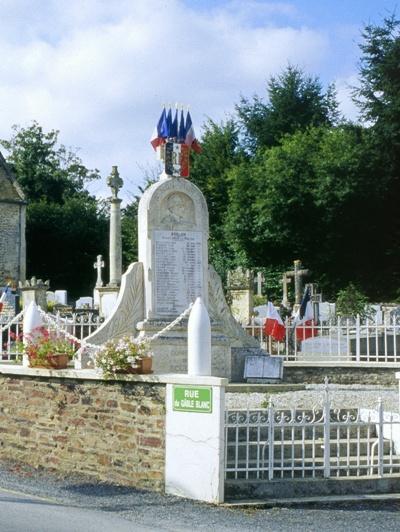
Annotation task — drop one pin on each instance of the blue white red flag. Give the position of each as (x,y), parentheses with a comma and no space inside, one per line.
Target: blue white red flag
(159,134)
(174,126)
(304,319)
(190,136)
(182,129)
(273,325)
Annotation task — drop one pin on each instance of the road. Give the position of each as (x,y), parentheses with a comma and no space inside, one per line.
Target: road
(33,501)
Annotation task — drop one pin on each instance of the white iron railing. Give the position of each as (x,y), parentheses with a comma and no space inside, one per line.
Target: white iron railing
(322,442)
(10,332)
(76,325)
(344,340)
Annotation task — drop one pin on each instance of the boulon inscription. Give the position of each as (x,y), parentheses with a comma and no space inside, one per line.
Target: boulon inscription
(178,270)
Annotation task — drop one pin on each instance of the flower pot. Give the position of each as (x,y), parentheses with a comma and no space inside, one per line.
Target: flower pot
(51,362)
(145,365)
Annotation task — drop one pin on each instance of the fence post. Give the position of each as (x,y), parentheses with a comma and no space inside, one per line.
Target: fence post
(380,437)
(271,431)
(358,339)
(327,431)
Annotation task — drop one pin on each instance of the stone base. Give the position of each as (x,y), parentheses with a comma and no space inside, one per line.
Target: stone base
(108,296)
(170,349)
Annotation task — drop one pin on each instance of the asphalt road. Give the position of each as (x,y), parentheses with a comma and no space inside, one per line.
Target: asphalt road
(33,501)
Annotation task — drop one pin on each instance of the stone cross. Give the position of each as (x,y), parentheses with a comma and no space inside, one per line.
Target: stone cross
(98,265)
(114,181)
(285,281)
(298,273)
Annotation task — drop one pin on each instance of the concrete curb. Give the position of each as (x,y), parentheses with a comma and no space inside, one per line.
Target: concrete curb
(320,501)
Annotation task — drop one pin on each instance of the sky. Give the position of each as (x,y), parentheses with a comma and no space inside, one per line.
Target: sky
(99,71)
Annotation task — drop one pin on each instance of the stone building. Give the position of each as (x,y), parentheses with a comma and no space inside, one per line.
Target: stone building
(12,227)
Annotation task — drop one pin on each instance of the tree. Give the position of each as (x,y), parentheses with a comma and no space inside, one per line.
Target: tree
(295,102)
(44,170)
(378,96)
(66,226)
(210,171)
(312,197)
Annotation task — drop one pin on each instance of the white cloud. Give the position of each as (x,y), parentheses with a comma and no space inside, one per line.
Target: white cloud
(100,71)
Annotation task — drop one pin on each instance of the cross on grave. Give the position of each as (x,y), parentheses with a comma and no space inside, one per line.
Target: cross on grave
(260,280)
(285,281)
(114,181)
(298,273)
(98,265)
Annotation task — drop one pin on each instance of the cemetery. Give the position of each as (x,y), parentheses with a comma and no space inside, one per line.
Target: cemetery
(173,425)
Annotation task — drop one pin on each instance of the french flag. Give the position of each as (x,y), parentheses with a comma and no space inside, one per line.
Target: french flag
(190,136)
(160,132)
(304,320)
(273,325)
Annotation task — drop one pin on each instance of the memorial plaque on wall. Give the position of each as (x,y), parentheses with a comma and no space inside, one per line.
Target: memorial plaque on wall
(178,270)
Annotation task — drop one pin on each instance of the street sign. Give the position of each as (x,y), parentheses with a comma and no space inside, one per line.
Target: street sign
(192,399)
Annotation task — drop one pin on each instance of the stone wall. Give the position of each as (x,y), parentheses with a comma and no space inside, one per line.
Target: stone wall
(12,242)
(340,375)
(112,431)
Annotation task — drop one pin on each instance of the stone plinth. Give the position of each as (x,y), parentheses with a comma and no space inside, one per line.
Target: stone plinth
(170,349)
(34,290)
(108,296)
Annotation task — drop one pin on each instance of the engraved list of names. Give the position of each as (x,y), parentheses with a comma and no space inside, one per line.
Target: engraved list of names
(178,270)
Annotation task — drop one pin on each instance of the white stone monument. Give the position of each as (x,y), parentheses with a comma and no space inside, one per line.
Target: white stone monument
(173,271)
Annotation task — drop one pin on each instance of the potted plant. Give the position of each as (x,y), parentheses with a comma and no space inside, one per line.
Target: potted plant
(124,355)
(47,349)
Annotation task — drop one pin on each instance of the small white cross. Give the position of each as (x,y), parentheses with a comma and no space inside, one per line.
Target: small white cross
(98,265)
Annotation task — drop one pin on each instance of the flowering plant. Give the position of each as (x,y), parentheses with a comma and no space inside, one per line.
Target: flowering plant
(42,345)
(121,356)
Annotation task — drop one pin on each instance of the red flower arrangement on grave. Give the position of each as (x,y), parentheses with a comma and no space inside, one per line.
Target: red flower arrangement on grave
(46,348)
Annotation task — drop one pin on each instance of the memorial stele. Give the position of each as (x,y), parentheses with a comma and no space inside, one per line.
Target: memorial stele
(172,271)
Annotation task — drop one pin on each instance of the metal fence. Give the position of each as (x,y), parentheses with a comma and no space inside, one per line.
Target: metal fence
(80,325)
(318,443)
(343,340)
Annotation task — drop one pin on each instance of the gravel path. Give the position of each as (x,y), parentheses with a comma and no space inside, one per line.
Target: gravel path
(162,513)
(350,396)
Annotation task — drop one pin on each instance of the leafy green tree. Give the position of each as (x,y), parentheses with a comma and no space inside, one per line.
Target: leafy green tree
(63,241)
(294,102)
(66,226)
(379,99)
(45,170)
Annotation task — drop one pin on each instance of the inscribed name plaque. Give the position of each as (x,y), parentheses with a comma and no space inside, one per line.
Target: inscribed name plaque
(263,367)
(178,270)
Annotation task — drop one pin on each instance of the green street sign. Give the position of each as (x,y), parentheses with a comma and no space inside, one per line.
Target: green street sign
(192,399)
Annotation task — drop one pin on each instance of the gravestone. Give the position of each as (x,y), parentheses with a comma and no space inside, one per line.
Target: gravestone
(50,297)
(240,287)
(326,311)
(61,297)
(84,302)
(325,347)
(376,314)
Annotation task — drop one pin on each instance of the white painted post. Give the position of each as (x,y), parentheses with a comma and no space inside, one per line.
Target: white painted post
(199,340)
(195,438)
(32,320)
(358,338)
